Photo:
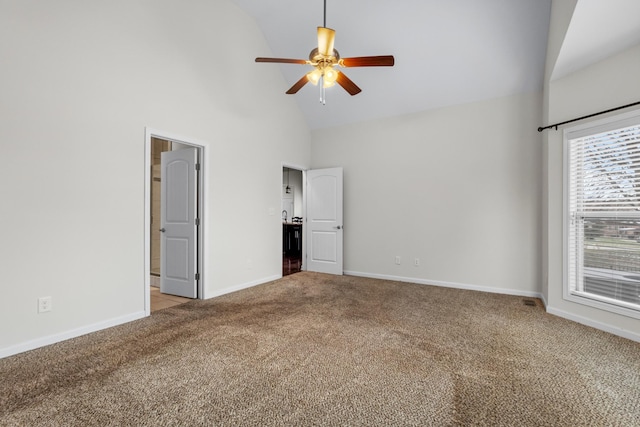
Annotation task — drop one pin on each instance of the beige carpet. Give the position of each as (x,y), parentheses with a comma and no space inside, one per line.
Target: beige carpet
(314,349)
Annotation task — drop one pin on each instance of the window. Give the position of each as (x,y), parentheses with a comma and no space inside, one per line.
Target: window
(602,214)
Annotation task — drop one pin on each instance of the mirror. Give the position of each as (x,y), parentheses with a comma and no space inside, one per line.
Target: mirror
(291,194)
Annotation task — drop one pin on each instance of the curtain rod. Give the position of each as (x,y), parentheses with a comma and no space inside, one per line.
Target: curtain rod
(540,129)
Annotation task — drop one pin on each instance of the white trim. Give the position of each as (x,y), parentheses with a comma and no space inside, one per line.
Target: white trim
(304,209)
(294,166)
(530,294)
(52,339)
(203,206)
(544,301)
(147,223)
(602,125)
(594,324)
(551,310)
(246,285)
(594,127)
(565,216)
(63,336)
(602,304)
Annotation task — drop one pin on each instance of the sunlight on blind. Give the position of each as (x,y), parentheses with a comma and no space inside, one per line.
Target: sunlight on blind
(604,216)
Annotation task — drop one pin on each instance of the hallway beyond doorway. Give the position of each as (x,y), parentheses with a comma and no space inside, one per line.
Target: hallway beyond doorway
(160,300)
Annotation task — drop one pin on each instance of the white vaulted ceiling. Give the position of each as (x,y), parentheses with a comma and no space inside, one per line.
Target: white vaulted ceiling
(598,30)
(447,52)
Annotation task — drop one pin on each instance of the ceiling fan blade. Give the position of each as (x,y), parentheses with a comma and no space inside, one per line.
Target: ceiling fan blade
(296,87)
(282,60)
(326,37)
(368,61)
(348,84)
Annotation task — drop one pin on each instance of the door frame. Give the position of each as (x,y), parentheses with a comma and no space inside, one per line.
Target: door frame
(202,208)
(304,210)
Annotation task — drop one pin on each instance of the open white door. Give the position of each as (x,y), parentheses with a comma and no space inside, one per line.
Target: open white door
(324,221)
(178,244)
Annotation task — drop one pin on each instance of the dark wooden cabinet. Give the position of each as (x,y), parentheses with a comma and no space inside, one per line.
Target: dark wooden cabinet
(292,240)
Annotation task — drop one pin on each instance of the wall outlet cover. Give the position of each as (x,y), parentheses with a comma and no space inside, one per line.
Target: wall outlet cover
(44,304)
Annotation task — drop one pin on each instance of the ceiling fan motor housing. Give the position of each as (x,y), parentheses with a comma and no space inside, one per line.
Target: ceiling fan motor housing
(317,59)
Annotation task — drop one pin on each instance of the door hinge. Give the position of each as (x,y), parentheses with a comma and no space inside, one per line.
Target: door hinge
(197,166)
(197,221)
(197,276)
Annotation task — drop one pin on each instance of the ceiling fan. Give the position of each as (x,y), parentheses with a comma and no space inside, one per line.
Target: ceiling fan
(324,58)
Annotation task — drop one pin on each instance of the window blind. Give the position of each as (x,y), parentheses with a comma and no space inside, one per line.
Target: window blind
(604,216)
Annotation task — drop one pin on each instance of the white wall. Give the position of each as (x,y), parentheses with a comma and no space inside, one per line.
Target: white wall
(561,13)
(80,82)
(459,188)
(601,86)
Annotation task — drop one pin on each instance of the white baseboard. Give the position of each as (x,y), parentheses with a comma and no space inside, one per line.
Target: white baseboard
(561,313)
(52,339)
(242,286)
(530,294)
(594,324)
(63,336)
(544,301)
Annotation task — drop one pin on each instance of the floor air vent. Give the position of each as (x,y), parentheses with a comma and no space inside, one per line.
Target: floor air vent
(529,302)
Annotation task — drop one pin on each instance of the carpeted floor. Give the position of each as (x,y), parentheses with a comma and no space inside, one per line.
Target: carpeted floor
(313,349)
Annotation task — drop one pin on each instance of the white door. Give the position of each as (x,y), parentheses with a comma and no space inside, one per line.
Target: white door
(178,212)
(324,221)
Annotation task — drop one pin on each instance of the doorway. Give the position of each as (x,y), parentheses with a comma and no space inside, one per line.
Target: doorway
(312,204)
(292,220)
(165,155)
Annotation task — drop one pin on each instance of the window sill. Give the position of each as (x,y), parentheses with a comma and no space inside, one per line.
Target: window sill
(603,303)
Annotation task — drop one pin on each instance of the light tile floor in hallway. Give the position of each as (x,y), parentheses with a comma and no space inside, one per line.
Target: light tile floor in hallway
(160,300)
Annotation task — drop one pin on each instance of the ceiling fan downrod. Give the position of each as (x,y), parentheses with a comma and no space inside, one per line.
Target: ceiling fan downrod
(324,22)
(323,99)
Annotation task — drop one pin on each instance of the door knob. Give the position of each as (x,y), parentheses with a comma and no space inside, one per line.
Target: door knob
(162,230)
(339,227)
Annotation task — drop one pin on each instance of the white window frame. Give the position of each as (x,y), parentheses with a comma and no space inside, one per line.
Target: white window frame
(578,131)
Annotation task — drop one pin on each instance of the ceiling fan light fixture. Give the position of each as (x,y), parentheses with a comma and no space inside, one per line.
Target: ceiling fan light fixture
(314,76)
(330,74)
(329,77)
(328,83)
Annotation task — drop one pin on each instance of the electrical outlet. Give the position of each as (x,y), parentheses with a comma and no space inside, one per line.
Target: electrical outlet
(416,262)
(44,304)
(397,260)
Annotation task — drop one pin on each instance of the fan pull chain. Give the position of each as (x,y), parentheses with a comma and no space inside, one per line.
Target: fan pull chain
(322,91)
